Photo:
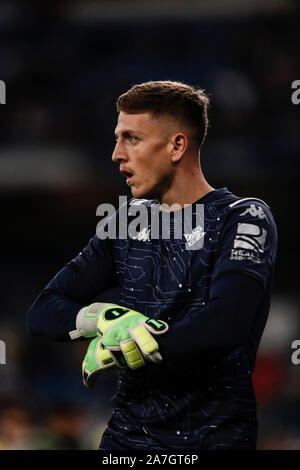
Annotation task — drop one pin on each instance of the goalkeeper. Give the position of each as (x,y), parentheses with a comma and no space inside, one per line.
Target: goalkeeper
(191,311)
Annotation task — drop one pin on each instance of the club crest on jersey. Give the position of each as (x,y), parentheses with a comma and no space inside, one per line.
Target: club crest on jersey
(255,212)
(196,235)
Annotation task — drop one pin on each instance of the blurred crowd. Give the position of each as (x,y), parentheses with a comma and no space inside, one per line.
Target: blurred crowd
(61,427)
(63,74)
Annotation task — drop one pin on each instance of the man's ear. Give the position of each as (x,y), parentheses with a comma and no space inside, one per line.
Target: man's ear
(178,146)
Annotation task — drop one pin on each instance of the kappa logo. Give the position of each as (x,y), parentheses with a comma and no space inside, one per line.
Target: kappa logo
(143,235)
(255,212)
(195,236)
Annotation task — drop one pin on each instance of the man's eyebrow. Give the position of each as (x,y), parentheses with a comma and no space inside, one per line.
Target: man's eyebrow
(127,132)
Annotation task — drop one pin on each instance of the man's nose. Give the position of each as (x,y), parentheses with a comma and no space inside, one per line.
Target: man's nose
(119,155)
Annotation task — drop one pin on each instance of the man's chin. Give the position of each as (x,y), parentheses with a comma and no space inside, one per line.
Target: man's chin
(140,193)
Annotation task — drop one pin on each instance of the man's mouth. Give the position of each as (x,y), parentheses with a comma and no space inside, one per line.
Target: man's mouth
(127,174)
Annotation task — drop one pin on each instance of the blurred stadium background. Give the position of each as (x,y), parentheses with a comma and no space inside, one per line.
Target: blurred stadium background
(64,64)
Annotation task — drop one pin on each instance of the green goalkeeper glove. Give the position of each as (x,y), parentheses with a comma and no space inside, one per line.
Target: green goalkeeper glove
(97,360)
(130,332)
(86,321)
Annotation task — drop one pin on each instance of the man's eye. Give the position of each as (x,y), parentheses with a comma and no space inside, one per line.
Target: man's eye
(131,138)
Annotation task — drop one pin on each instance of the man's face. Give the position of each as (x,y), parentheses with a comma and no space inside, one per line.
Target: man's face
(143,152)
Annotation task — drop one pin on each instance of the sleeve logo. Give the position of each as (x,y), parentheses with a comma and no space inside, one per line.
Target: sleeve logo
(249,243)
(255,212)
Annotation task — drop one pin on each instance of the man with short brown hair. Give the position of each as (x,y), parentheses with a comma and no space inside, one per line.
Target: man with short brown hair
(207,291)
(163,126)
(175,100)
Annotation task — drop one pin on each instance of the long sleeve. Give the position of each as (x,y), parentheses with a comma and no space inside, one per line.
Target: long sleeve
(224,322)
(242,273)
(53,314)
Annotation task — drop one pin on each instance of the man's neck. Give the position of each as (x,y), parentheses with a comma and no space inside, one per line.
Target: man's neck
(188,187)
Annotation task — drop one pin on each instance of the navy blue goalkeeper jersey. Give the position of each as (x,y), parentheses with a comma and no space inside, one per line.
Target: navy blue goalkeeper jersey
(206,399)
